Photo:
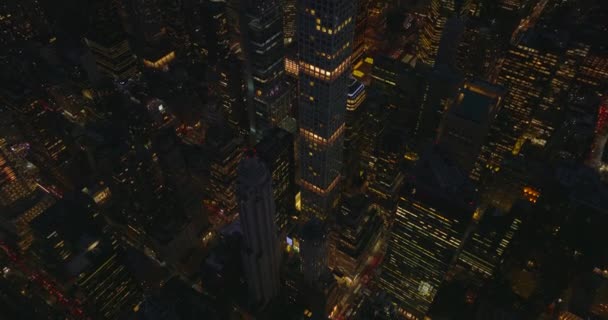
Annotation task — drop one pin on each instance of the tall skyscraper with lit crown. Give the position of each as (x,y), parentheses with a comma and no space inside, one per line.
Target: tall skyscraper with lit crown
(325,41)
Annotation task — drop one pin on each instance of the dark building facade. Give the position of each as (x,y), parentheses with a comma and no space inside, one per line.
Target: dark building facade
(276,149)
(325,38)
(432,216)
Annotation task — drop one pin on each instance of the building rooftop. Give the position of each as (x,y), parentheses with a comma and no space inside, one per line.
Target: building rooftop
(436,179)
(477,101)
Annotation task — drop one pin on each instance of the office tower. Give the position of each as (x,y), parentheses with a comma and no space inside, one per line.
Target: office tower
(531,109)
(84,257)
(377,19)
(432,216)
(362,13)
(289,20)
(277,151)
(436,16)
(355,121)
(438,89)
(375,119)
(325,38)
(601,136)
(225,153)
(263,44)
(354,237)
(466,122)
(486,246)
(527,72)
(257,213)
(407,91)
(108,42)
(386,175)
(217,38)
(479,49)
(313,250)
(232,94)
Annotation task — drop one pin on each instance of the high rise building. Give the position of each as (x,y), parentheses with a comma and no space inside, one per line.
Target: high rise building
(479,49)
(386,175)
(86,259)
(233,94)
(325,40)
(432,216)
(263,44)
(435,18)
(528,72)
(534,86)
(108,43)
(467,121)
(313,250)
(353,240)
(276,149)
(289,20)
(225,154)
(218,42)
(354,120)
(257,213)
(438,89)
(487,244)
(360,28)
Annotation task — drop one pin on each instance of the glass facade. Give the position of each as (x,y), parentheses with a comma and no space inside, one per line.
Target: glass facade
(325,41)
(266,55)
(423,246)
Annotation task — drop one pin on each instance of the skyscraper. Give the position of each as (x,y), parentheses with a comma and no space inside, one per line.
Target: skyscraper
(263,43)
(386,175)
(277,151)
(488,242)
(467,121)
(436,16)
(217,30)
(354,237)
(289,20)
(354,120)
(325,41)
(108,43)
(224,156)
(432,216)
(531,109)
(261,247)
(313,246)
(86,259)
(360,27)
